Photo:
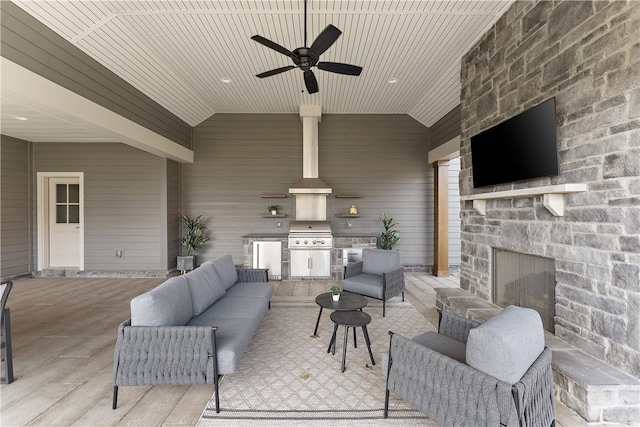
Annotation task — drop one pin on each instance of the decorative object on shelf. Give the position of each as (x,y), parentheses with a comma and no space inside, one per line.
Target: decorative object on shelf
(335,292)
(274,209)
(193,239)
(353,210)
(389,237)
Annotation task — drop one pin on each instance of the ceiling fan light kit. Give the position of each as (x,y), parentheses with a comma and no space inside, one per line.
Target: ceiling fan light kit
(306,58)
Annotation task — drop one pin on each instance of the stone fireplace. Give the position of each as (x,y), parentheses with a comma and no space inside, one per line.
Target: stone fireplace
(585,54)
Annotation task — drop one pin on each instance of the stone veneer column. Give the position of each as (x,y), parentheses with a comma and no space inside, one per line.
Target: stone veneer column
(586,55)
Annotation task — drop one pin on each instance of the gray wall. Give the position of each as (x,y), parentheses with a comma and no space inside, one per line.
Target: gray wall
(241,156)
(29,43)
(446,128)
(585,54)
(123,202)
(173,212)
(14,207)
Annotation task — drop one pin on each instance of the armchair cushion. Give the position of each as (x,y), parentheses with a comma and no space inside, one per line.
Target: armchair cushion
(206,287)
(506,345)
(168,304)
(365,284)
(378,261)
(226,269)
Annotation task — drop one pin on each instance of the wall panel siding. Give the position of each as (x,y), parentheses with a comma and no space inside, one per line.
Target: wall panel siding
(29,43)
(123,203)
(173,212)
(446,128)
(241,156)
(15,236)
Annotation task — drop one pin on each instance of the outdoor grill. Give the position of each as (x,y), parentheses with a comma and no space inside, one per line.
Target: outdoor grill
(310,235)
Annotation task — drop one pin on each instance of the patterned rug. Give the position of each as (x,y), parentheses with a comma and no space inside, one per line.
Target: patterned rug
(286,377)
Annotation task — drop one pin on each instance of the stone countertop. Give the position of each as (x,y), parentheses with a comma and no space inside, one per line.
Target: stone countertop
(284,235)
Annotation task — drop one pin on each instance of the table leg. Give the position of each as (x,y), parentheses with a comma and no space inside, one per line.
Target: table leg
(344,350)
(355,342)
(366,338)
(333,339)
(315,331)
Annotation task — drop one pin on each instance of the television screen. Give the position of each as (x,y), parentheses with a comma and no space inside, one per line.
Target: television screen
(522,147)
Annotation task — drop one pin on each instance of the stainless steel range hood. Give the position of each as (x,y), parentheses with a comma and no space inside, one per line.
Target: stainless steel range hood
(310,192)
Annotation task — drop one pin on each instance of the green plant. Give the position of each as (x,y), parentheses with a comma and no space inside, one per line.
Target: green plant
(194,237)
(335,290)
(274,208)
(389,237)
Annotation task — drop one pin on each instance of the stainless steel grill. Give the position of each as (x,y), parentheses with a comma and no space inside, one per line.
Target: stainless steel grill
(310,235)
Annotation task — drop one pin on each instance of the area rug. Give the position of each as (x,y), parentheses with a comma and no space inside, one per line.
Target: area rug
(286,377)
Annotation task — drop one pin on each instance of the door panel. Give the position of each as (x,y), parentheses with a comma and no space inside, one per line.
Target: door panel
(64,222)
(320,263)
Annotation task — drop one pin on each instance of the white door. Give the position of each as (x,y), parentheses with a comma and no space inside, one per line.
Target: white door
(320,263)
(64,222)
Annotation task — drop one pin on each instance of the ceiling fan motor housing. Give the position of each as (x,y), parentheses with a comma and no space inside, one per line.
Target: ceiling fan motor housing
(305,58)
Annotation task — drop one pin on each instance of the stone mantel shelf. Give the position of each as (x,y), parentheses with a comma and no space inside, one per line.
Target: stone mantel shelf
(553,196)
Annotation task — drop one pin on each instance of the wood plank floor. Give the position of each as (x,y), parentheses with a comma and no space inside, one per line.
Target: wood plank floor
(64,332)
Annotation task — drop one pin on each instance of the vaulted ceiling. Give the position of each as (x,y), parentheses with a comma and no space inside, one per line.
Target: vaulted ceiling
(178,52)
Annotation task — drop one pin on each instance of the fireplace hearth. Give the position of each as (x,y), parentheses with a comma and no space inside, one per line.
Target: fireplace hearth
(526,281)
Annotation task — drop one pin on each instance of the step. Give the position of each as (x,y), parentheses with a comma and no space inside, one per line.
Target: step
(593,389)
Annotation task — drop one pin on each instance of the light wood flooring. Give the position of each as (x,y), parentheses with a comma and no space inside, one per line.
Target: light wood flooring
(64,332)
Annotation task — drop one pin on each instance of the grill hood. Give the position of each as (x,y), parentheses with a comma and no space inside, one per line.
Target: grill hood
(310,192)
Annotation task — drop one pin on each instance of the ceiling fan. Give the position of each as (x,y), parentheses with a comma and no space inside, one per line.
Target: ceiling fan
(307,57)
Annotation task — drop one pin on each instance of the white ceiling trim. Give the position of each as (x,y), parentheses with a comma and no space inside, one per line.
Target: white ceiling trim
(34,91)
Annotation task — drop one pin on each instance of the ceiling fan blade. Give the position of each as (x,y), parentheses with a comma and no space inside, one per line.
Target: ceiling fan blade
(276,71)
(337,67)
(273,45)
(325,39)
(310,81)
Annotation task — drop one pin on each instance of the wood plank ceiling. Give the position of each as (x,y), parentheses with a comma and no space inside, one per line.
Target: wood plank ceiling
(178,51)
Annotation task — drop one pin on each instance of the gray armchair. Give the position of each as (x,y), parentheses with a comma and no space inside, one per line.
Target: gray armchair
(379,275)
(5,338)
(494,374)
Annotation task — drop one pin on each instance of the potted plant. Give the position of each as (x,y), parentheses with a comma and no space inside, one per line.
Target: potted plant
(335,292)
(389,237)
(193,239)
(274,209)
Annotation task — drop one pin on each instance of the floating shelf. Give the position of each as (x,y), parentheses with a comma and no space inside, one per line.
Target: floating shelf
(274,216)
(347,216)
(553,196)
(348,196)
(273,196)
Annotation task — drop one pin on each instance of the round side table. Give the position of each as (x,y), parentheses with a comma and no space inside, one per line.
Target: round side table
(350,319)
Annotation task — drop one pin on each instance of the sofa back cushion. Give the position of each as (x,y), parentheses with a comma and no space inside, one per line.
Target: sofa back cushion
(168,304)
(378,261)
(206,287)
(506,345)
(226,269)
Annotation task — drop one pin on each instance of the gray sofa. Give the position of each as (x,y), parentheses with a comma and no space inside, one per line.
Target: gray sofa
(191,328)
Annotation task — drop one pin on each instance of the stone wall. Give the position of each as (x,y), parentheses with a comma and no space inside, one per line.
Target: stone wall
(587,56)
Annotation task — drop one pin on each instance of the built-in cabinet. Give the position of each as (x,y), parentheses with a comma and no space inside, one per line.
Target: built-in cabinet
(310,263)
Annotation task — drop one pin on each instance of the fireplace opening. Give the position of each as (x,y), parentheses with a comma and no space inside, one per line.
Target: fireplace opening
(526,281)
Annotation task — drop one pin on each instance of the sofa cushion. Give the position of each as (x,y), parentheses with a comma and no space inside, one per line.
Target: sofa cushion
(378,261)
(226,269)
(252,289)
(206,287)
(168,304)
(364,284)
(238,308)
(506,345)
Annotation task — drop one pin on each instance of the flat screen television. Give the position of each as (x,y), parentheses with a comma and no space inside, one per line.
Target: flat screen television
(520,148)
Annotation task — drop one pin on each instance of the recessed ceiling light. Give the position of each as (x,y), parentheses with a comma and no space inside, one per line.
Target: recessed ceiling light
(225,79)
(393,80)
(20,118)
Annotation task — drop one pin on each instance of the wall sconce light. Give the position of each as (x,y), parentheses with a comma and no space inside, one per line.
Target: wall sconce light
(279,224)
(349,224)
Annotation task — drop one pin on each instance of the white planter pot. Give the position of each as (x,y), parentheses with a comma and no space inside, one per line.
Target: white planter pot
(274,212)
(336,297)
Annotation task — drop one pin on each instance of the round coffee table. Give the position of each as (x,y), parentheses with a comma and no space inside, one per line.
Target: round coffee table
(347,302)
(350,319)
